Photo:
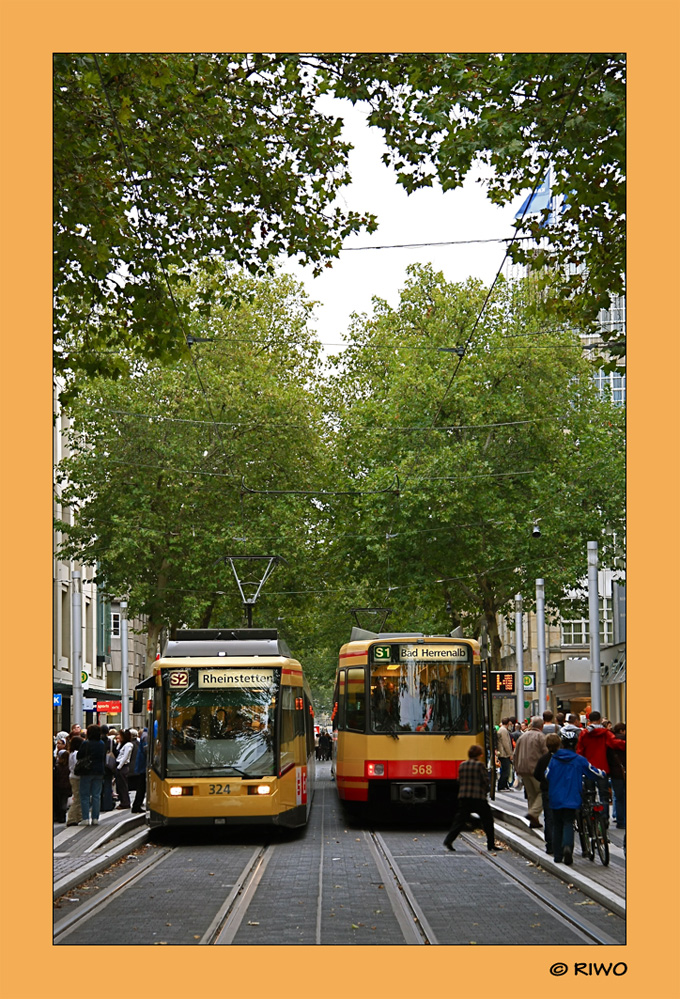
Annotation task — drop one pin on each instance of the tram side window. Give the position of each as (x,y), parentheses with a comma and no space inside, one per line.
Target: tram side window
(342,676)
(157,729)
(356,700)
(287,727)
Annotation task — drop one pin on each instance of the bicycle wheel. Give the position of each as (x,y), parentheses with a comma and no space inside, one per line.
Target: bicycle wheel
(590,836)
(601,841)
(583,839)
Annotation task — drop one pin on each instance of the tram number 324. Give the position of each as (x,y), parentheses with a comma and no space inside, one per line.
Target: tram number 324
(218,789)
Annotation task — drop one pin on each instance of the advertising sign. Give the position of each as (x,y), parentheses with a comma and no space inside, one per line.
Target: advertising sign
(110,707)
(56,700)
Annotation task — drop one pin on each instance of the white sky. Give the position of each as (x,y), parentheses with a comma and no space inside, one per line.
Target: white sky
(426,216)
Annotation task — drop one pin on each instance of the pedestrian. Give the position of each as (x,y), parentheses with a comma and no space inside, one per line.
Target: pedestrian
(140,773)
(325,745)
(92,755)
(505,754)
(61,786)
(593,744)
(75,814)
(549,726)
(317,747)
(553,743)
(109,770)
(473,787)
(60,742)
(565,774)
(123,769)
(616,761)
(528,751)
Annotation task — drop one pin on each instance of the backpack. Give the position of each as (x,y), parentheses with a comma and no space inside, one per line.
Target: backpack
(83,765)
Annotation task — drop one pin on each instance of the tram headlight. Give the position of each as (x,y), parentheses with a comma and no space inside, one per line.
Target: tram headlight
(259,789)
(175,792)
(375,769)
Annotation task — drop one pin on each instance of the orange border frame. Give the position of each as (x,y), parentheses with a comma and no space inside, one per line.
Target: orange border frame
(31,31)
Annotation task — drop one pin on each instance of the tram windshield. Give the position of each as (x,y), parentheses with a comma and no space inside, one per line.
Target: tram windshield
(416,696)
(225,732)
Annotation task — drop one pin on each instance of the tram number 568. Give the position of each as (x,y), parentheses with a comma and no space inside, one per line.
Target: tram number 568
(421,769)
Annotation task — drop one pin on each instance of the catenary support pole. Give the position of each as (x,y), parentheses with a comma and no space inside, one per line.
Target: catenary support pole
(77,646)
(125,708)
(519,658)
(540,628)
(594,623)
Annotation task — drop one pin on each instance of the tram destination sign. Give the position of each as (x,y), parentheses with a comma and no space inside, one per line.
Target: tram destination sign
(218,679)
(423,653)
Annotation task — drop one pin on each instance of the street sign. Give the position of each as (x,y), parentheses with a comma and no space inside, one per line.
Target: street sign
(502,683)
(56,700)
(89,703)
(529,681)
(84,678)
(110,707)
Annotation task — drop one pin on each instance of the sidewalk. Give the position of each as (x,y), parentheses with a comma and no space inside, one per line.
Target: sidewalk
(604,884)
(81,851)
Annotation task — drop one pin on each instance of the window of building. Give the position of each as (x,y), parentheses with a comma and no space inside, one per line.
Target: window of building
(613,383)
(577,630)
(115,625)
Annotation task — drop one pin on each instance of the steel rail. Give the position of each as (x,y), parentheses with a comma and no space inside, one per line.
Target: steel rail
(589,931)
(410,916)
(64,927)
(231,913)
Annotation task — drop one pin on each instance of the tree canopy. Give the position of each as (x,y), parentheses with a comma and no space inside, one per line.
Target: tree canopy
(164,163)
(519,113)
(516,434)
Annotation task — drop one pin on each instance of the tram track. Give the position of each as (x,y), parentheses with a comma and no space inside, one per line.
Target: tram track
(589,932)
(224,925)
(411,918)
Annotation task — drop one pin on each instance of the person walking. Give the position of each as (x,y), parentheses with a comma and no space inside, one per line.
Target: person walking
(74,815)
(505,755)
(549,726)
(616,761)
(473,787)
(92,751)
(553,743)
(123,769)
(109,770)
(61,786)
(140,773)
(565,774)
(528,751)
(593,743)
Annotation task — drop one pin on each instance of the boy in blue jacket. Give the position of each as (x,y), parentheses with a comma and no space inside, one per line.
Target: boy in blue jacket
(565,777)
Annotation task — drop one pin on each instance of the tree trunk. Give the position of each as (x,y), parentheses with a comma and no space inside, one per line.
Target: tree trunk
(489,610)
(153,630)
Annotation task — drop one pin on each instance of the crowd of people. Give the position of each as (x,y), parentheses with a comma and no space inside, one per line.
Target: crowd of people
(323,745)
(95,770)
(548,758)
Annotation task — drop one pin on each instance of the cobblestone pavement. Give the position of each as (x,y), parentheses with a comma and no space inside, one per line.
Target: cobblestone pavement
(323,886)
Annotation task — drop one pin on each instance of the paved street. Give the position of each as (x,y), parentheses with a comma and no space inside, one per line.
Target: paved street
(336,883)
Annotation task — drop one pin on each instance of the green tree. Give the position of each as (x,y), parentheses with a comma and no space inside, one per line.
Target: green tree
(165,161)
(155,488)
(519,113)
(483,447)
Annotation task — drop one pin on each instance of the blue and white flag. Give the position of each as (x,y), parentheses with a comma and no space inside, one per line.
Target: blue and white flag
(539,200)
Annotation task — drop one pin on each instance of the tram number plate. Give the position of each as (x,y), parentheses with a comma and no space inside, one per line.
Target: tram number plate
(219,789)
(422,769)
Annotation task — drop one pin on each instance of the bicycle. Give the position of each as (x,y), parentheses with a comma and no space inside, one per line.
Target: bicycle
(591,825)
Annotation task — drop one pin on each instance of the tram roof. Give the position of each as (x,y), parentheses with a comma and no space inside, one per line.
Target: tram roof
(229,642)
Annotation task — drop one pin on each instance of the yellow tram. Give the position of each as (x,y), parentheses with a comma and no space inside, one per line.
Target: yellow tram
(231,733)
(407,709)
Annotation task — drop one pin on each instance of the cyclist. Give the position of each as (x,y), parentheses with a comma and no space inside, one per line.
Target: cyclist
(564,774)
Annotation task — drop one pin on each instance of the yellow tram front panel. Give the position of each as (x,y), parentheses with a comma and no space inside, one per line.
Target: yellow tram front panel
(190,739)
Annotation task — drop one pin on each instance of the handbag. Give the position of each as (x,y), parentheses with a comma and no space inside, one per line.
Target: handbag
(83,765)
(111,762)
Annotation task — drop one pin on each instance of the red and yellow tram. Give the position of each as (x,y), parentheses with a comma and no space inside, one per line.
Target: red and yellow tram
(407,708)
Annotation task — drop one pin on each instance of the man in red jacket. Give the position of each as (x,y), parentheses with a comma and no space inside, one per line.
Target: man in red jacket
(593,744)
